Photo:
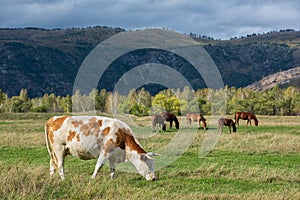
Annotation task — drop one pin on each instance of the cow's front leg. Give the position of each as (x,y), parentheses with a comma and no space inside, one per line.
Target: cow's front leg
(100,162)
(112,166)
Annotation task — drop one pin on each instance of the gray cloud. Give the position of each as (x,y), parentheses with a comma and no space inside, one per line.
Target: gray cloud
(219,19)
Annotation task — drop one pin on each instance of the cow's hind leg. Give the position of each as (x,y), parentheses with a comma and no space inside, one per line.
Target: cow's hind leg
(58,155)
(52,167)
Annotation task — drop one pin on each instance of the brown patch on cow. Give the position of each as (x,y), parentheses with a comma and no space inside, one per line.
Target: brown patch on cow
(108,147)
(100,122)
(71,135)
(78,137)
(56,124)
(106,131)
(77,123)
(92,128)
(125,137)
(85,129)
(53,125)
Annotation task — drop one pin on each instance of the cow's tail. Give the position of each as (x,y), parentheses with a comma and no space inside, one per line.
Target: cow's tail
(47,139)
(48,144)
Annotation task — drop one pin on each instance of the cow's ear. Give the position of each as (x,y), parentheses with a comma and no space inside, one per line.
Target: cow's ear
(151,154)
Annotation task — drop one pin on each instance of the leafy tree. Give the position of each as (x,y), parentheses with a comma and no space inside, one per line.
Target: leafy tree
(100,100)
(66,104)
(165,101)
(3,98)
(139,102)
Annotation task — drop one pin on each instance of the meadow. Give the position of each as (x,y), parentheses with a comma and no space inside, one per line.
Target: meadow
(255,163)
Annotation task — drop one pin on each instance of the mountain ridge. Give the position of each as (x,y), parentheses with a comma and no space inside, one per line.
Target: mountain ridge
(47,61)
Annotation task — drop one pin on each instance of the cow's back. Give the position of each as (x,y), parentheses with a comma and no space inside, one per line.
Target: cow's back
(83,136)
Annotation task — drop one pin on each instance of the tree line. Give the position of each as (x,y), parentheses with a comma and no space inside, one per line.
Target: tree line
(207,101)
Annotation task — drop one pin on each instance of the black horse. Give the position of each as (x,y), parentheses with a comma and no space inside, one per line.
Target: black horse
(170,117)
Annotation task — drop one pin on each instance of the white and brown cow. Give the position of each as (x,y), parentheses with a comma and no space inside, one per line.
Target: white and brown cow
(88,137)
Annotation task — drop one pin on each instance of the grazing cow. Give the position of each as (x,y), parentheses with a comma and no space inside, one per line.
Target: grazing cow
(158,122)
(226,122)
(88,137)
(194,117)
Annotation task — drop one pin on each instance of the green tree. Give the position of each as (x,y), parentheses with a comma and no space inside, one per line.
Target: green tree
(100,101)
(66,104)
(139,102)
(3,98)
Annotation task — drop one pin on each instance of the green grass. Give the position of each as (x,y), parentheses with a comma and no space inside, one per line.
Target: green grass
(254,163)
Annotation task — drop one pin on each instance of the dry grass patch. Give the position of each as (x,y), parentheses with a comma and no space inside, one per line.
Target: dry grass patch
(261,142)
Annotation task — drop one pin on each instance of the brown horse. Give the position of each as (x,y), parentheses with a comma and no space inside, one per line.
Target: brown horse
(158,121)
(170,117)
(245,116)
(226,122)
(194,117)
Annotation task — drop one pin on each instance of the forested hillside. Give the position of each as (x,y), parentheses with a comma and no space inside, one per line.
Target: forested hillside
(46,61)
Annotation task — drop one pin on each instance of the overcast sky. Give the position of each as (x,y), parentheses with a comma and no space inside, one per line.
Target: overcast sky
(216,18)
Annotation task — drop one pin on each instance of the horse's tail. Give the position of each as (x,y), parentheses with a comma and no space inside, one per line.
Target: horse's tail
(236,118)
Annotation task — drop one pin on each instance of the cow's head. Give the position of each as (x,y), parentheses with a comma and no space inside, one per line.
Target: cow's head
(144,164)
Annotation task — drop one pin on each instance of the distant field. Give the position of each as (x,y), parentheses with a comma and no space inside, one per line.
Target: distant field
(255,163)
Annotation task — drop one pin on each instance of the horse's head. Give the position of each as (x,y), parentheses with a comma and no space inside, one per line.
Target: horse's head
(177,124)
(256,122)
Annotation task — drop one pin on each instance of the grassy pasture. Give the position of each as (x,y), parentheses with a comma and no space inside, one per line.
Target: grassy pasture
(255,163)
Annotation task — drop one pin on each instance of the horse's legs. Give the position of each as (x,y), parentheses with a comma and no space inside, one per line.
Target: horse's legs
(189,122)
(229,129)
(237,121)
(153,127)
(171,123)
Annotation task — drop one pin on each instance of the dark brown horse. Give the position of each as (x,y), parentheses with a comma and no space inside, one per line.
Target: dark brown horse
(226,122)
(170,117)
(194,117)
(158,122)
(245,116)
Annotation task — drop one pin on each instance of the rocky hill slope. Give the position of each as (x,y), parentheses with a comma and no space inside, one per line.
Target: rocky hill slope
(47,61)
(286,78)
